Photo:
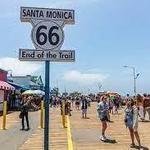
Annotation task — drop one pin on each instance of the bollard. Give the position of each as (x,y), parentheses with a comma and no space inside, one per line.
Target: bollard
(66,121)
(42,115)
(4,114)
(63,114)
(69,135)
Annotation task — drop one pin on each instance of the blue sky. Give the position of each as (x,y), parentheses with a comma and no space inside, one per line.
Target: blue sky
(107,35)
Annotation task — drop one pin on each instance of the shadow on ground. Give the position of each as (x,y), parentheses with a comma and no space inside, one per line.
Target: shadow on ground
(110,141)
(142,148)
(145,121)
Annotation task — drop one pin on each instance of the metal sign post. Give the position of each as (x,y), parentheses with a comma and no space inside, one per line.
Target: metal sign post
(46,120)
(47,36)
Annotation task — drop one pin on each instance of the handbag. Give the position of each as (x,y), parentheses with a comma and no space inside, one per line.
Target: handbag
(21,115)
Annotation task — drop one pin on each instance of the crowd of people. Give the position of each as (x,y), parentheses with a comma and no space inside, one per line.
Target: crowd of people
(130,119)
(134,108)
(83,101)
(143,103)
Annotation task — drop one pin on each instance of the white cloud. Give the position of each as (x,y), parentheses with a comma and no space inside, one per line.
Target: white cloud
(75,76)
(18,67)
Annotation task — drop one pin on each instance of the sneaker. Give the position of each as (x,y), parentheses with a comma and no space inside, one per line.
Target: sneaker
(27,129)
(22,129)
(103,138)
(132,146)
(140,148)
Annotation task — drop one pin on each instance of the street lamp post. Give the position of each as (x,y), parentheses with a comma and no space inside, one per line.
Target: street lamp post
(99,86)
(135,75)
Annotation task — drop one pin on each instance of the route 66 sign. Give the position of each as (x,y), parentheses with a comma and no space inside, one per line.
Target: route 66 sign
(47,35)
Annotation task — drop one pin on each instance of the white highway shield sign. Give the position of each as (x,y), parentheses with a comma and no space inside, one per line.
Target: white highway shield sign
(41,55)
(47,35)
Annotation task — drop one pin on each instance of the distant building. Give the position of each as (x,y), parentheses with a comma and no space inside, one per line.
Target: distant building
(3,75)
(5,88)
(37,83)
(28,81)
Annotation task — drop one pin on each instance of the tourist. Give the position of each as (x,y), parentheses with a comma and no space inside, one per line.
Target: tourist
(24,111)
(111,104)
(77,103)
(140,106)
(131,121)
(84,106)
(102,110)
(146,105)
(68,106)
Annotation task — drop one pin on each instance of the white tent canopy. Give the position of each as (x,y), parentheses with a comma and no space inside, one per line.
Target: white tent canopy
(33,92)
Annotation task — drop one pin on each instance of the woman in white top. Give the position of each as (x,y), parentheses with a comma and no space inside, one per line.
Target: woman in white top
(131,121)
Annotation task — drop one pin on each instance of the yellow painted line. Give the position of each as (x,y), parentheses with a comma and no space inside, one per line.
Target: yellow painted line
(69,135)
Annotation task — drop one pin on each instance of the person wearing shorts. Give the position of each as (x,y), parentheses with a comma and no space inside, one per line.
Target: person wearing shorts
(84,106)
(103,110)
(131,121)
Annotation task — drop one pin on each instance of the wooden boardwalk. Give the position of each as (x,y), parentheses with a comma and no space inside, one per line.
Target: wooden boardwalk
(86,133)
(57,139)
(11,120)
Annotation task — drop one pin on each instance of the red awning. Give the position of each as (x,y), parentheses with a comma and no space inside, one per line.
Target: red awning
(6,86)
